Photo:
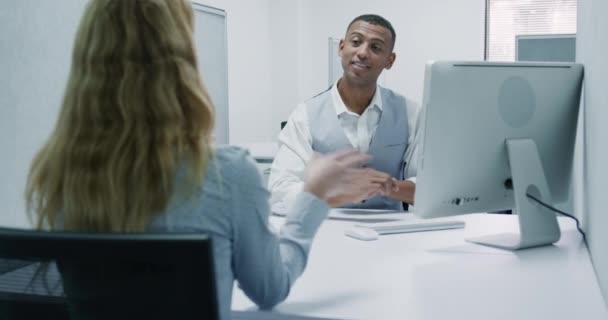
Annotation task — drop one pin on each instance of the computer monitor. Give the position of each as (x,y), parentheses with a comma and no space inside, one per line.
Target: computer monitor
(494,134)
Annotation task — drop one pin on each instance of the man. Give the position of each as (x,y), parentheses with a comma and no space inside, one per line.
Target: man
(354,113)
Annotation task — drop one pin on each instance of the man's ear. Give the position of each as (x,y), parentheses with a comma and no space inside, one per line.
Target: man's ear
(340,47)
(391,60)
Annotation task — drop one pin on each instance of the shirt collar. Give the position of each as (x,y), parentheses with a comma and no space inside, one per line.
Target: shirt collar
(340,107)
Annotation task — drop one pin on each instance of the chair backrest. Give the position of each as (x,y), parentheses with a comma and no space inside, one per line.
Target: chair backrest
(109,276)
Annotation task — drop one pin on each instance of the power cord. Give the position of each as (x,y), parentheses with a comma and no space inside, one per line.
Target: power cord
(560,212)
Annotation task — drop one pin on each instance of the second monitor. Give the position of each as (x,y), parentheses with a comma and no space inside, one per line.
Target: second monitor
(496,136)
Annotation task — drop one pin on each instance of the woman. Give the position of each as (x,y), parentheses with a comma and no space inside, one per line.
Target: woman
(131,152)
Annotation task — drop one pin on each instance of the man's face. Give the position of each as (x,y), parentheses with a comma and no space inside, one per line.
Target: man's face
(366,51)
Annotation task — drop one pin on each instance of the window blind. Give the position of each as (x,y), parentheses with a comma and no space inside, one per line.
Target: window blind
(507,19)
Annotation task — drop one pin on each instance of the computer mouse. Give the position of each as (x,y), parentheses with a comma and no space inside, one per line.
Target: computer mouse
(361,233)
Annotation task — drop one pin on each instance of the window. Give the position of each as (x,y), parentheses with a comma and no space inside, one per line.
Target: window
(507,19)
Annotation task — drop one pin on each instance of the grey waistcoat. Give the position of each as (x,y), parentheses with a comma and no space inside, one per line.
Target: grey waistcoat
(387,147)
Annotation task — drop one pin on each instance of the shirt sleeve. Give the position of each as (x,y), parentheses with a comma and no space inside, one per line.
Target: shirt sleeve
(415,116)
(287,170)
(266,264)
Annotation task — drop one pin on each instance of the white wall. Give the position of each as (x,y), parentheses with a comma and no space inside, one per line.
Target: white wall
(285,31)
(35,47)
(426,30)
(277,51)
(249,68)
(592,50)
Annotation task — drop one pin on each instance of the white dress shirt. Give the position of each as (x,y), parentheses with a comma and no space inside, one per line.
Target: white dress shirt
(295,145)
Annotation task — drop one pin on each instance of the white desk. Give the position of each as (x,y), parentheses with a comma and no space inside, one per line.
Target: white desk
(437,275)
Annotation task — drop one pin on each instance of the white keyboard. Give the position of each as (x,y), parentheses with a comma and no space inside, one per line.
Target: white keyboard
(411,225)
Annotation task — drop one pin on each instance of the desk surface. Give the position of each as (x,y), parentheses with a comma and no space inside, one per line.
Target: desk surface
(437,275)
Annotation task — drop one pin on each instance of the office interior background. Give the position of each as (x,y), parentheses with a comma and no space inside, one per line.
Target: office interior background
(277,55)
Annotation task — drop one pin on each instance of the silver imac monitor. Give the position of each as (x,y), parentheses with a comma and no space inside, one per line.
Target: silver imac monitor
(495,135)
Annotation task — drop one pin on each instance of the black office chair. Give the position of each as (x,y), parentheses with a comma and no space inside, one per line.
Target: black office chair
(66,275)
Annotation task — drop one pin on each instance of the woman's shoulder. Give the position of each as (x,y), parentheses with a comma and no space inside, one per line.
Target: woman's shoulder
(229,170)
(228,152)
(235,162)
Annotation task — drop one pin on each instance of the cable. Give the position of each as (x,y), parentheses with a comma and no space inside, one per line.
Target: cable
(560,212)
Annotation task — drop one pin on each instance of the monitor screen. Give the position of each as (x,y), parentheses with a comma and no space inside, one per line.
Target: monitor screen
(495,134)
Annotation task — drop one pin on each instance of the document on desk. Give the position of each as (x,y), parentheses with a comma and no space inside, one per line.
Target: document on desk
(360,214)
(266,315)
(366,214)
(413,224)
(349,211)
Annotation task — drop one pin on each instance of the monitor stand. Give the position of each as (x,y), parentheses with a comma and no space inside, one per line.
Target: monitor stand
(537,225)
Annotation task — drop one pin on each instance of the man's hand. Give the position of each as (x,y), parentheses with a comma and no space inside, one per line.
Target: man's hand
(387,183)
(359,185)
(339,179)
(403,190)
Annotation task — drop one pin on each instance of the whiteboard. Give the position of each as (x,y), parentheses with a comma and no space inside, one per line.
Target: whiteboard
(212,55)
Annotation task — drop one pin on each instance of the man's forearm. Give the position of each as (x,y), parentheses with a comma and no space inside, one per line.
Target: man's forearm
(406,192)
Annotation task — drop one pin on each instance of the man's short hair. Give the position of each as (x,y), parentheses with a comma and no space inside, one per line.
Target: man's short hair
(375,20)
